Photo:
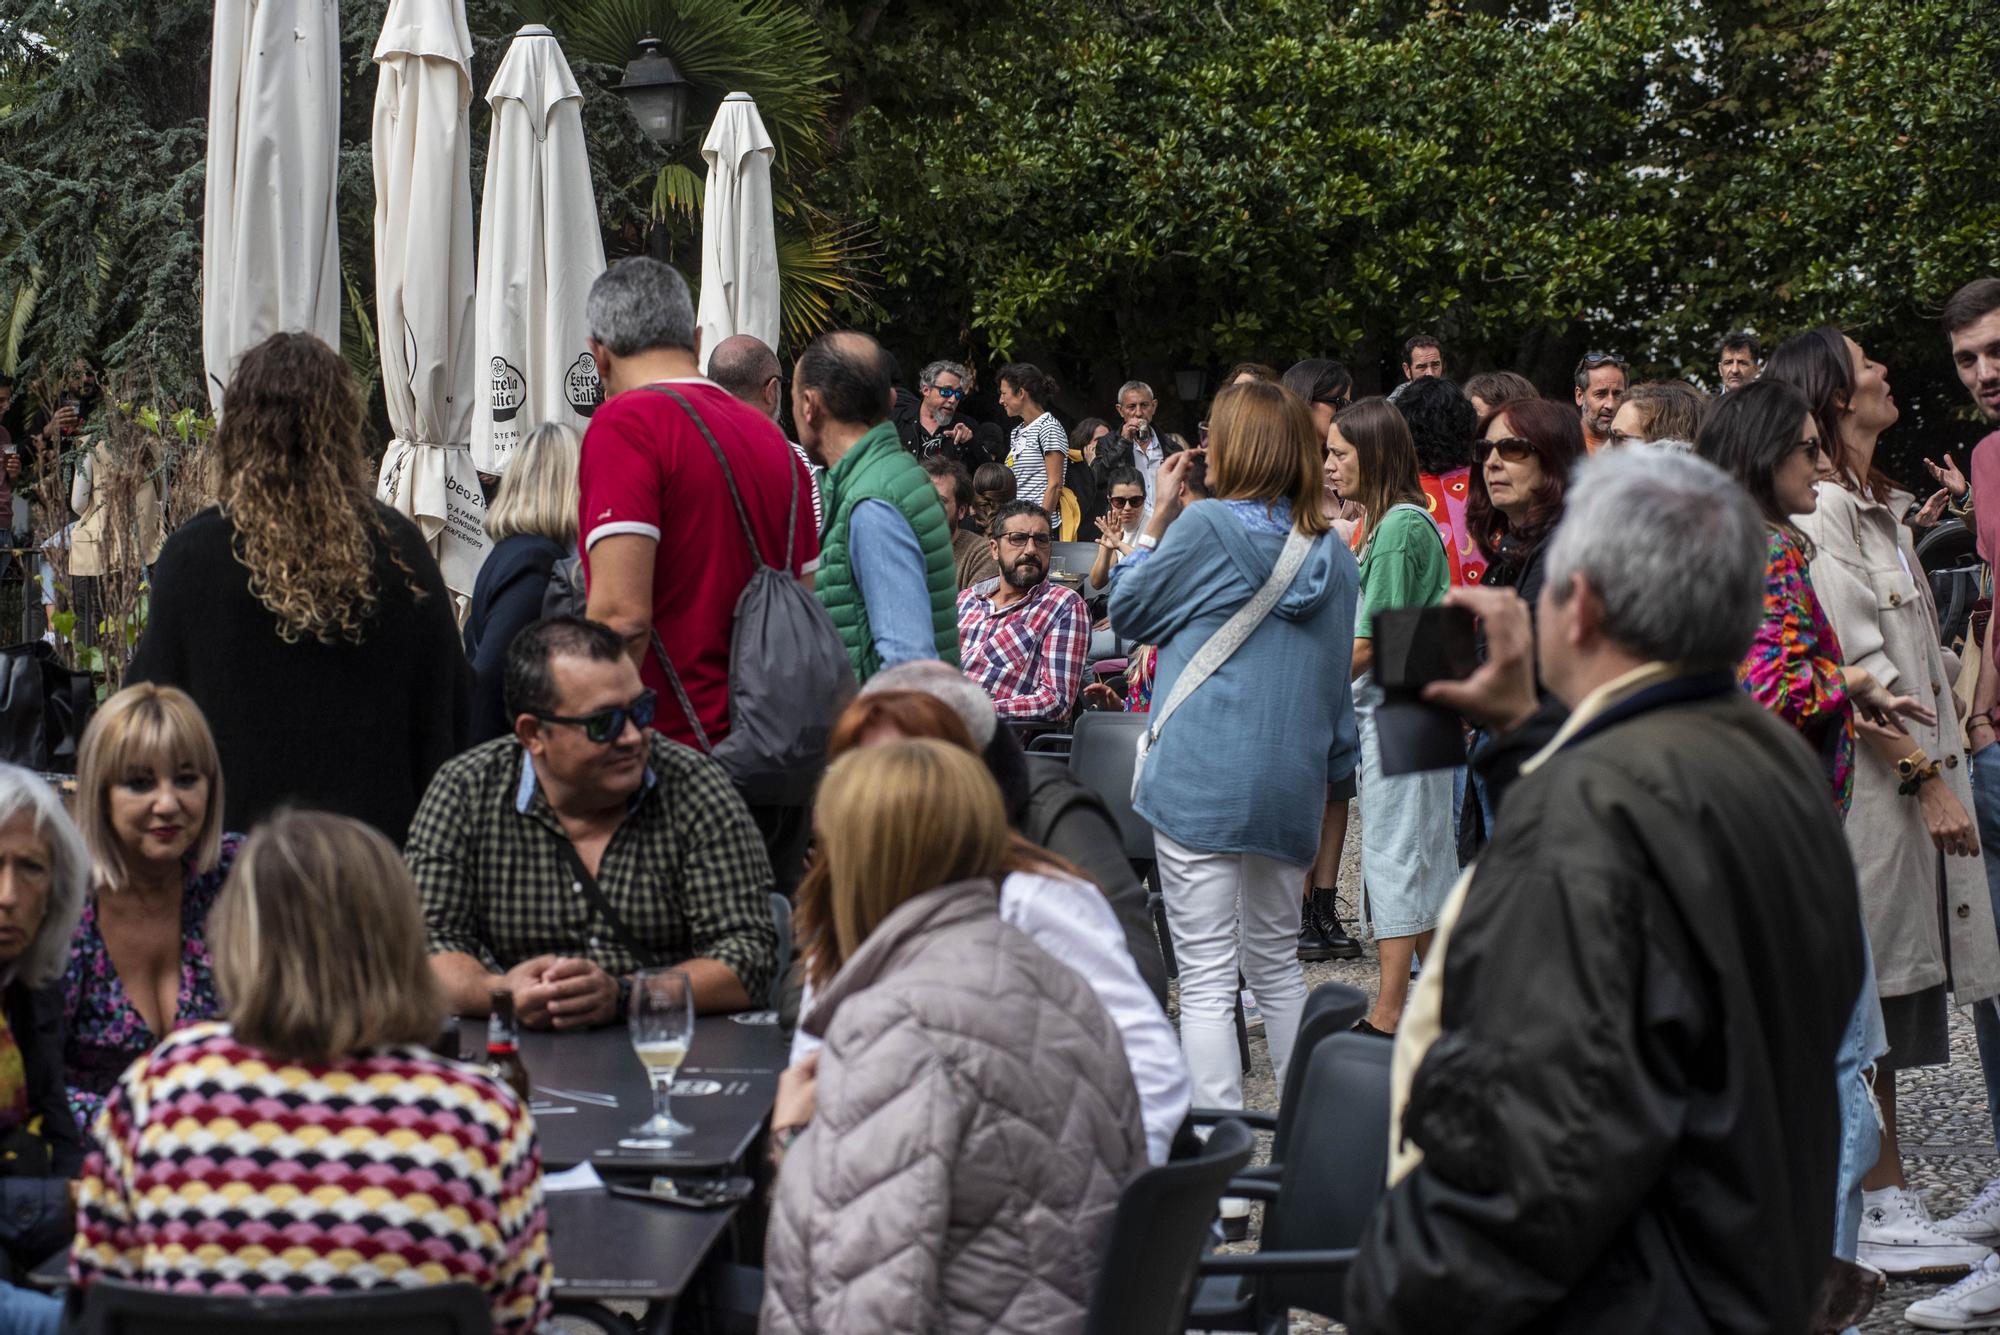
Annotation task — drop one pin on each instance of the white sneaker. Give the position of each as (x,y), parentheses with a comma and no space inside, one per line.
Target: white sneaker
(1971,1304)
(1979,1221)
(1898,1237)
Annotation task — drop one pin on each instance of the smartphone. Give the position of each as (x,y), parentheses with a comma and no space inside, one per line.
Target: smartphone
(1415,646)
(696,1193)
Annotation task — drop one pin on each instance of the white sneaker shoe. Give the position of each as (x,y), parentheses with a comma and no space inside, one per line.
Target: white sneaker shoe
(1898,1237)
(1979,1221)
(1971,1304)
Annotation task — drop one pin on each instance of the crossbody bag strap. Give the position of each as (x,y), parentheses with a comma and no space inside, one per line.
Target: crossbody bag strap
(595,894)
(1234,631)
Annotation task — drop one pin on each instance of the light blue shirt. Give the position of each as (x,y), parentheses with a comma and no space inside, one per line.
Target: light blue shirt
(888,566)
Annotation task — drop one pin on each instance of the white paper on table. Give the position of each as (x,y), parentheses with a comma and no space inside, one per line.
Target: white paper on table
(580,1178)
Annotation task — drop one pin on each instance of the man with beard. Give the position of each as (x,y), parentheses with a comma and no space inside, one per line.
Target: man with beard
(1020,636)
(1601,378)
(936,426)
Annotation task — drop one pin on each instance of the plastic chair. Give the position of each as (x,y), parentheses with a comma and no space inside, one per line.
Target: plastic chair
(1315,1212)
(1102,757)
(781,918)
(1331,1008)
(114,1308)
(1158,1234)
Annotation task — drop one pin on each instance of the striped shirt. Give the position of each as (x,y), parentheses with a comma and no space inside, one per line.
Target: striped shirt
(1027,448)
(220,1169)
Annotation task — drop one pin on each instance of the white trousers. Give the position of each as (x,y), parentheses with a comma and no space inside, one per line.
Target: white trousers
(1215,901)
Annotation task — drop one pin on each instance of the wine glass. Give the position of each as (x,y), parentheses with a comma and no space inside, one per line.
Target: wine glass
(661,1020)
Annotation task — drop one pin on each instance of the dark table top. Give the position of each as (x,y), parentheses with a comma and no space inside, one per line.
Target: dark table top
(724,1091)
(611,1248)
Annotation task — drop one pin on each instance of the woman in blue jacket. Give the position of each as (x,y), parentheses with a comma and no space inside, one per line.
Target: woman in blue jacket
(1235,782)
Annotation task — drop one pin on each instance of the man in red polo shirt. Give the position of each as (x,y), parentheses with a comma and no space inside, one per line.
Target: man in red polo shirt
(663,547)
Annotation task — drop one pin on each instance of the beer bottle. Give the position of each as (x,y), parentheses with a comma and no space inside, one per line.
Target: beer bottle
(503,1045)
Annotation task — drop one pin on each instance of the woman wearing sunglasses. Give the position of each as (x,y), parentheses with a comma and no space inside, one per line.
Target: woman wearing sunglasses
(1521,466)
(1119,527)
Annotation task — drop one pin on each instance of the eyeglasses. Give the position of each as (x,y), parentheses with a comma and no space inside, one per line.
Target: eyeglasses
(1019,540)
(1618,440)
(944,393)
(608,724)
(1511,448)
(1593,360)
(1813,448)
(1335,401)
(1126,502)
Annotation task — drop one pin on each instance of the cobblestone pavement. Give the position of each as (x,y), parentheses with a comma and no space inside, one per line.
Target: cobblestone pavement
(1948,1148)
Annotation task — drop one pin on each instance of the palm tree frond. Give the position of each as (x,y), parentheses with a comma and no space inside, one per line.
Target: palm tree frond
(20,310)
(678,189)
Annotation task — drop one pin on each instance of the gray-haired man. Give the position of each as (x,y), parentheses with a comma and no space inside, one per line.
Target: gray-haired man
(939,428)
(1137,444)
(1615,1105)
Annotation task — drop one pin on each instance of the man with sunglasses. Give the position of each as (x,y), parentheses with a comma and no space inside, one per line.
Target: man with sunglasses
(1601,379)
(1137,444)
(555,862)
(939,428)
(1022,636)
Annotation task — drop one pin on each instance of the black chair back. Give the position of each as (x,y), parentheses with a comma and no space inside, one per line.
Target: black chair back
(1331,1008)
(1102,758)
(781,919)
(114,1308)
(1159,1232)
(1336,1172)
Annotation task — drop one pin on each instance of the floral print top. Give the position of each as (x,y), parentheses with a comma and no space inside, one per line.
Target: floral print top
(105,1032)
(1793,667)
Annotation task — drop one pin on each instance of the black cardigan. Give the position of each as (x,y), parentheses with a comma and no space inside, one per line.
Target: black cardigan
(356,729)
(506,599)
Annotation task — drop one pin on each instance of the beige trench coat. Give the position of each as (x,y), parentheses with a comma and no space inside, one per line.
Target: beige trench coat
(1881,609)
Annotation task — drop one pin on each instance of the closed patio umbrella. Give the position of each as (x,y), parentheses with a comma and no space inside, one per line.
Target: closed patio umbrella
(270,259)
(424,277)
(739,240)
(539,251)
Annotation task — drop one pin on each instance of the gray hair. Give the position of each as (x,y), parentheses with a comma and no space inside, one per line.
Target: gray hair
(22,792)
(928,376)
(1674,547)
(1131,385)
(945,683)
(639,304)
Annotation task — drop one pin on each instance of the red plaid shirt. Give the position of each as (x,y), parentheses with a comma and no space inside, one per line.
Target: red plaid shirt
(1029,656)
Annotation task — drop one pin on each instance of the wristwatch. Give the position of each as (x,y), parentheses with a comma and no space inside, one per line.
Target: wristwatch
(1912,770)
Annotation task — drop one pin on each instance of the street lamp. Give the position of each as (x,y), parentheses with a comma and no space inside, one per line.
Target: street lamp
(1188,383)
(657,94)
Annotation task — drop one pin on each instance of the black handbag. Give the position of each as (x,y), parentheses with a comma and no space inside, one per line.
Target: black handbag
(44,707)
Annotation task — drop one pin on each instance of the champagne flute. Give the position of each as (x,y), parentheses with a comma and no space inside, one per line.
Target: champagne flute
(661,1020)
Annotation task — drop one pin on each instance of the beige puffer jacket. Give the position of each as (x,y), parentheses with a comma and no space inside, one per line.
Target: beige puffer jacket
(976,1122)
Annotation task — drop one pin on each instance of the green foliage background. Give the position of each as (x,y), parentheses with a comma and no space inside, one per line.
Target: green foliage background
(1133,186)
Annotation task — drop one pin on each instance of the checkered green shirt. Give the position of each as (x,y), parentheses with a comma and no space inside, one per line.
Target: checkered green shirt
(687,870)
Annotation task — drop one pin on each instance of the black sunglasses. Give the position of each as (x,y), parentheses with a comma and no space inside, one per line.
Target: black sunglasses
(1512,448)
(1593,360)
(1126,502)
(608,724)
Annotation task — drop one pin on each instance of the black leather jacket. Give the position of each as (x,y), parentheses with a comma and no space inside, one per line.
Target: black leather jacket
(1628,1116)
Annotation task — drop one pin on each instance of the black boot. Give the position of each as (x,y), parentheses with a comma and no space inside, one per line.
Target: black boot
(1326,908)
(1314,947)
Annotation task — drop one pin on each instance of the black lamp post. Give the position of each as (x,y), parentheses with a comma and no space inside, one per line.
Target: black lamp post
(657,94)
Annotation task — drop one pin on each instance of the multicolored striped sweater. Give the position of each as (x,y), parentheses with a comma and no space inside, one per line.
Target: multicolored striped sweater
(219,1169)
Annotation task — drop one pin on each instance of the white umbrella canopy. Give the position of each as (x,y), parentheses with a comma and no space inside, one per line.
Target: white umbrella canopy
(424,276)
(739,240)
(539,251)
(270,258)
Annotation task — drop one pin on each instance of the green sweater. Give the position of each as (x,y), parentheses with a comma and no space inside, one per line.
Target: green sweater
(879,468)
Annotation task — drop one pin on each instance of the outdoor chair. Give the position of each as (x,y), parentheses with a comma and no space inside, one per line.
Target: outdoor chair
(1158,1234)
(111,1307)
(1072,558)
(781,918)
(1331,1008)
(1315,1212)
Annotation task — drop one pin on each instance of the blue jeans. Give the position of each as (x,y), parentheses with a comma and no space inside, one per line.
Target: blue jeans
(1986,1014)
(1860,1132)
(26,1312)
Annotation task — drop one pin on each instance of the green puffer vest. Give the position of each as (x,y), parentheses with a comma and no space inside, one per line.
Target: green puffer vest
(879,468)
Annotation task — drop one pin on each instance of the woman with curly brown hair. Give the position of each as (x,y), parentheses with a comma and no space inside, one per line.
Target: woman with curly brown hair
(308,621)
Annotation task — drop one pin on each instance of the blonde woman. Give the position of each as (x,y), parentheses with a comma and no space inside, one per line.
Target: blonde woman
(1235,784)
(532,525)
(305,618)
(149,801)
(319,949)
(950,1039)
